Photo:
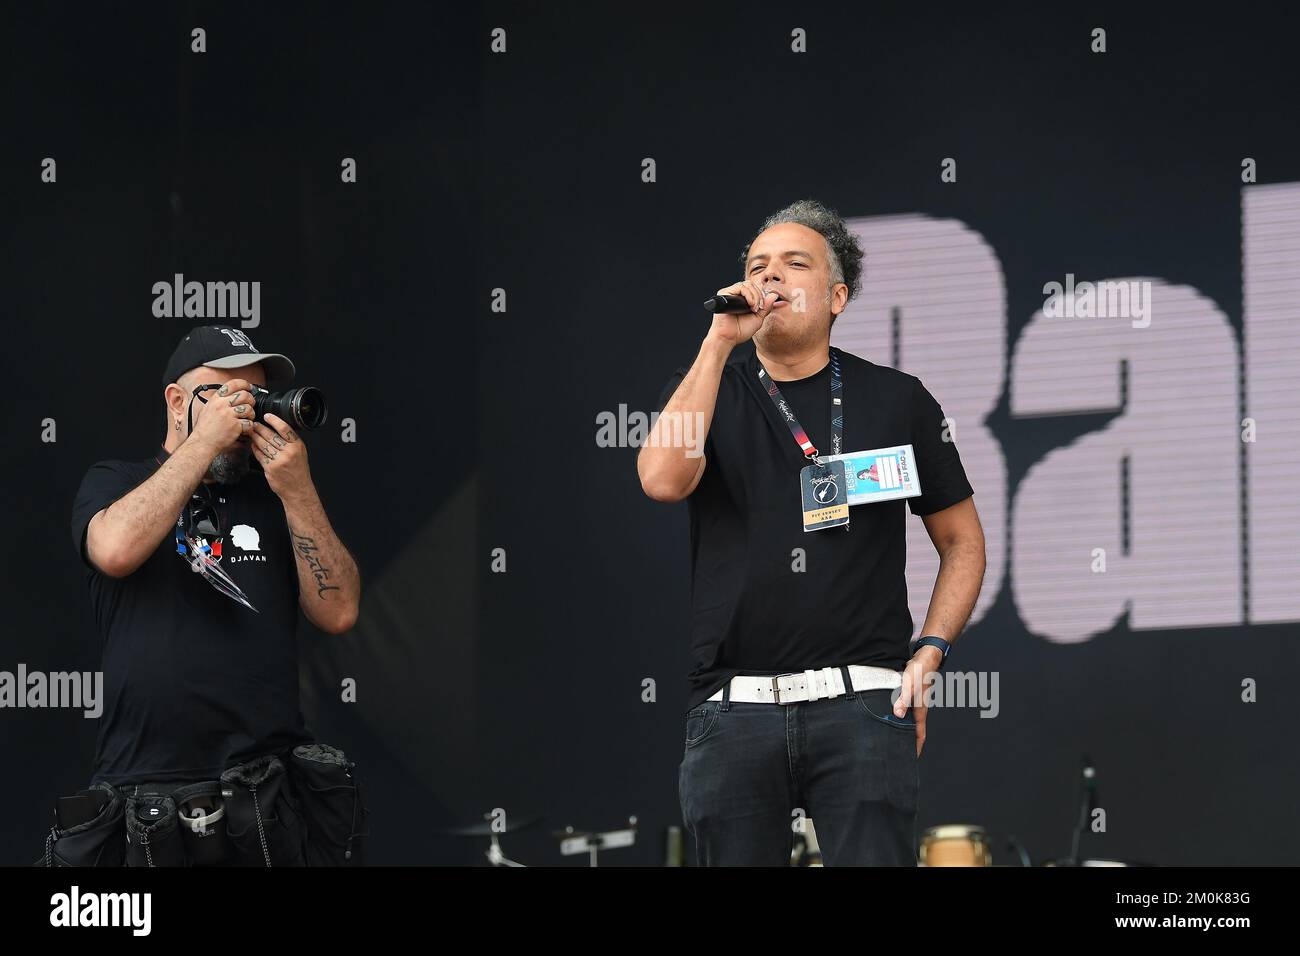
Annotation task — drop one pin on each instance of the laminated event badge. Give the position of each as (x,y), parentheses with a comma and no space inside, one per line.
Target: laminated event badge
(824,487)
(881,474)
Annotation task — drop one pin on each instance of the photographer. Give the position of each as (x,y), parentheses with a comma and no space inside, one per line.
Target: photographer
(196,565)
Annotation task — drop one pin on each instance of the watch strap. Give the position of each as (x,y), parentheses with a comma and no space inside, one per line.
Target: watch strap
(939,642)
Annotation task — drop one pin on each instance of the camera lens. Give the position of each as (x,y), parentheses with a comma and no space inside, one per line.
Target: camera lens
(309,407)
(300,407)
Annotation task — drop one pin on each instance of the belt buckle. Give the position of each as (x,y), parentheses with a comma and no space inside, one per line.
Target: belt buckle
(776,689)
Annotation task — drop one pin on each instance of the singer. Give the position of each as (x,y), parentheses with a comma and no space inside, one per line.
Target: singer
(805,698)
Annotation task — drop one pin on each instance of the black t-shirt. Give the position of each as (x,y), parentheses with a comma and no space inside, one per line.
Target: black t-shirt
(193,681)
(751,612)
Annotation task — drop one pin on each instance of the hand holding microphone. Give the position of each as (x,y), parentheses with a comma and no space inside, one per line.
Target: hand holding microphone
(741,313)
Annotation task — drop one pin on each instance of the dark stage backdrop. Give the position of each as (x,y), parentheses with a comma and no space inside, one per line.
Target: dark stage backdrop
(227,166)
(1118,165)
(454,303)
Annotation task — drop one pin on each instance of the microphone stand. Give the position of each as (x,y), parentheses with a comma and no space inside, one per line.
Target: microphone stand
(1087,804)
(495,855)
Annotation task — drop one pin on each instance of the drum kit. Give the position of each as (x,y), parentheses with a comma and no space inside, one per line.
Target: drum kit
(951,844)
(962,844)
(572,842)
(955,844)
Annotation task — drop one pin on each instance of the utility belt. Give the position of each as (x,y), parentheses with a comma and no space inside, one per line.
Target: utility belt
(301,807)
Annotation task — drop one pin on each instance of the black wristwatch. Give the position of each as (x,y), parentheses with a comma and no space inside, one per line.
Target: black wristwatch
(938,642)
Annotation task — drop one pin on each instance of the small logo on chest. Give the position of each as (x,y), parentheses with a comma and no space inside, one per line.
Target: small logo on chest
(247,539)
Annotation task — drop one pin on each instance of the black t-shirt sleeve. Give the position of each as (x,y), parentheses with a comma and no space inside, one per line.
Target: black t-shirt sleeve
(943,479)
(104,483)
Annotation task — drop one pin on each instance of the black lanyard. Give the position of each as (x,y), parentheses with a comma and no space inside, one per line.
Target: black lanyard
(785,411)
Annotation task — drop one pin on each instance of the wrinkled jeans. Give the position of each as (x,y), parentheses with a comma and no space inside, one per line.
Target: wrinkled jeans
(751,770)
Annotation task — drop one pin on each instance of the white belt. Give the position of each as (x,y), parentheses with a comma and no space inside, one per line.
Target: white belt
(809,685)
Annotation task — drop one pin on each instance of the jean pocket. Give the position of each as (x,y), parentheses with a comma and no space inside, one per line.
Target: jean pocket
(700,723)
(880,705)
(895,747)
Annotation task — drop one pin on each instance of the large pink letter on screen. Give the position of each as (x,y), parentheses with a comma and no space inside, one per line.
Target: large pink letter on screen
(1179,435)
(1270,246)
(940,286)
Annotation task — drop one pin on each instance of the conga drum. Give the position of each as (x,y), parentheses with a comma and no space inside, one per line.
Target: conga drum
(955,844)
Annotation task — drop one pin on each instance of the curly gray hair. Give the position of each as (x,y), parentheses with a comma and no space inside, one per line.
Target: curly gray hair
(845,251)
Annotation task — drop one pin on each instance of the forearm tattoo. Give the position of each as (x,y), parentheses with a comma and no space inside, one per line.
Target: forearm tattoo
(307,551)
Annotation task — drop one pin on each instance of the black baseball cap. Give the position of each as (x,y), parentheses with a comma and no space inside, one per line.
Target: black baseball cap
(220,346)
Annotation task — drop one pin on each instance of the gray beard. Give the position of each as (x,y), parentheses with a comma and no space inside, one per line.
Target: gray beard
(229,468)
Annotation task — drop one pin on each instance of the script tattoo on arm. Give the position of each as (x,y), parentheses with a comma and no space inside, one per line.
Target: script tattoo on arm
(306,549)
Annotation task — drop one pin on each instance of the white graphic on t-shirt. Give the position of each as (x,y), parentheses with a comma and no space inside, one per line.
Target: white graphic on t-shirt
(245,537)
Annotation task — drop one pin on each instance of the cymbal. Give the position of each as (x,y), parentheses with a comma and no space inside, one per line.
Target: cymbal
(1095,862)
(487,828)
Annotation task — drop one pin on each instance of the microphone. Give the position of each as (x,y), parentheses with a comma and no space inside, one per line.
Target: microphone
(727,305)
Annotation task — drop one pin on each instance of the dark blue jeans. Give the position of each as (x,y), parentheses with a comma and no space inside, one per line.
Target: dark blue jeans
(847,763)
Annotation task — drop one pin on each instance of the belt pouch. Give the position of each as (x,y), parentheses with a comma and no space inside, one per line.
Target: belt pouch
(153,837)
(203,823)
(332,805)
(261,819)
(97,842)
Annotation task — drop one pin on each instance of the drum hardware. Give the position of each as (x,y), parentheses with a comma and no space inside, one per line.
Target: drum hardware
(490,828)
(1018,848)
(674,847)
(1087,803)
(1068,862)
(573,842)
(806,851)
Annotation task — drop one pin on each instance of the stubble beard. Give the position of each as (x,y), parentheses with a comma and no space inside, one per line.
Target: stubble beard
(789,337)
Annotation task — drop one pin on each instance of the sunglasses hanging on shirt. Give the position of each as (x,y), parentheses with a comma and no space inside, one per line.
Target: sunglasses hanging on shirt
(199,532)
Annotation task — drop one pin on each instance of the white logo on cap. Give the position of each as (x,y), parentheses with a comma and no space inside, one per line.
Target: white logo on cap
(238,338)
